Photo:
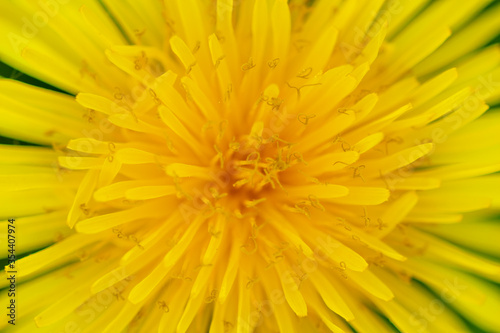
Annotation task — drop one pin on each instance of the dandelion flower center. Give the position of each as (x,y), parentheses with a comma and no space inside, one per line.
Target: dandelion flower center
(262,166)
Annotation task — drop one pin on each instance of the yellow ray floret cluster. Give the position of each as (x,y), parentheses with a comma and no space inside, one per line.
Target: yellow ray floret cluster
(253,166)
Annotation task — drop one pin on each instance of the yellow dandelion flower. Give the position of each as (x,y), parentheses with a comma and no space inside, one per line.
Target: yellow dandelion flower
(250,166)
